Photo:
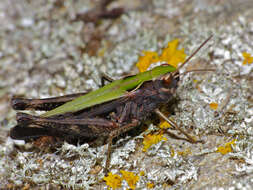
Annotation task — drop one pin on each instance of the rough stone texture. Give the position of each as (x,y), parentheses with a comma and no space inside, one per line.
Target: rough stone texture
(44,52)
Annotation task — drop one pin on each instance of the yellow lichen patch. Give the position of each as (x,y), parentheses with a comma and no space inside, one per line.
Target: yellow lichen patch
(142,173)
(170,54)
(195,81)
(172,152)
(40,162)
(213,105)
(185,153)
(113,180)
(130,178)
(227,148)
(164,125)
(248,59)
(151,139)
(26,187)
(150,185)
(146,60)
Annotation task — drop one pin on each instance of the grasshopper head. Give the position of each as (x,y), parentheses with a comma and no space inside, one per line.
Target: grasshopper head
(171,81)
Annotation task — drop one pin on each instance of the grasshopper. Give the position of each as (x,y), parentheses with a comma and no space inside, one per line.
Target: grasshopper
(106,112)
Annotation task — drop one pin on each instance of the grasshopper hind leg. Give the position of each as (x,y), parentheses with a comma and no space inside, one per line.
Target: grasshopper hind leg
(25,133)
(31,133)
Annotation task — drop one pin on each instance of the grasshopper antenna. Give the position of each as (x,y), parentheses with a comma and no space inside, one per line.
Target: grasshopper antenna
(194,53)
(196,70)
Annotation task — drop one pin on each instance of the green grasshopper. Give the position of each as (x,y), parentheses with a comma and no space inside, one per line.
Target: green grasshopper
(108,111)
(111,91)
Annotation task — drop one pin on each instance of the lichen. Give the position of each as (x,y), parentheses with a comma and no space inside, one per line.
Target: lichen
(248,58)
(113,180)
(170,55)
(151,139)
(227,147)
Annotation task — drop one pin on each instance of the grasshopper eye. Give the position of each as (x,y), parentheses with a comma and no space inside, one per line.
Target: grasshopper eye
(171,80)
(167,79)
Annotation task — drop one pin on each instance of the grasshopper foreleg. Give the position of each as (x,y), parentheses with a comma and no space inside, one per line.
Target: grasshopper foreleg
(172,123)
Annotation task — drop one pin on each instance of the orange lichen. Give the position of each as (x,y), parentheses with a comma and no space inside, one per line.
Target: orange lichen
(151,139)
(227,148)
(142,173)
(164,125)
(113,180)
(172,152)
(213,105)
(185,153)
(26,187)
(130,178)
(148,58)
(40,162)
(248,59)
(170,54)
(150,185)
(195,81)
